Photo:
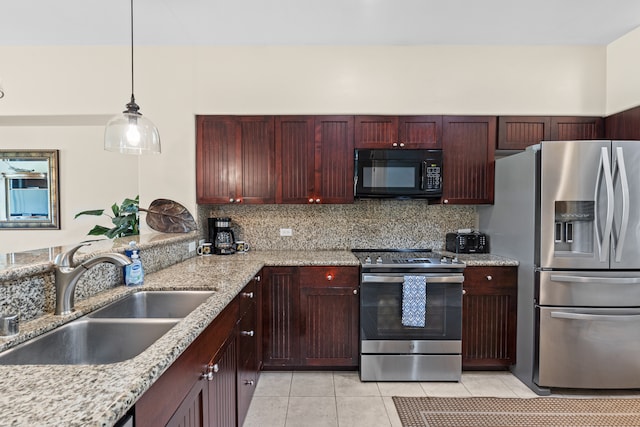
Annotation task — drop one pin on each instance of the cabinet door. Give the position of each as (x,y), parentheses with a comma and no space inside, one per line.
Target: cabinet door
(576,128)
(623,125)
(222,387)
(423,132)
(280,335)
(334,159)
(255,173)
(468,159)
(376,131)
(235,159)
(216,159)
(329,307)
(194,409)
(519,132)
(295,159)
(489,313)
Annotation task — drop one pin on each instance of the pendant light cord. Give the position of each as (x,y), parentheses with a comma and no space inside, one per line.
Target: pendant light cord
(132,91)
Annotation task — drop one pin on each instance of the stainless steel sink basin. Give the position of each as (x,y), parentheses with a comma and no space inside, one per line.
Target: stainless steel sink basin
(154,304)
(89,342)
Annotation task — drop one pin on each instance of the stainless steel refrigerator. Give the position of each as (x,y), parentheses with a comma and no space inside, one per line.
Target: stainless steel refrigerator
(569,212)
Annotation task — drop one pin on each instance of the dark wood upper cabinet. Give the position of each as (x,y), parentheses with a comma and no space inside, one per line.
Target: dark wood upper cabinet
(334,159)
(519,132)
(295,159)
(623,125)
(576,128)
(235,159)
(398,132)
(376,131)
(314,159)
(468,144)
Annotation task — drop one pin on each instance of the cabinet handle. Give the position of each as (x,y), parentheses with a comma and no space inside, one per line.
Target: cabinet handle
(489,278)
(310,199)
(257,278)
(249,382)
(402,144)
(246,333)
(232,200)
(355,292)
(329,277)
(445,201)
(238,200)
(317,200)
(464,292)
(211,369)
(247,294)
(395,144)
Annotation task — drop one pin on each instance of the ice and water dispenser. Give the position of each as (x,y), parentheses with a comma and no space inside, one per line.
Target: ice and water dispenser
(573,227)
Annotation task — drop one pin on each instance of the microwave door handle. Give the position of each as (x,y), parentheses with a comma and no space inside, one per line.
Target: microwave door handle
(423,176)
(624,183)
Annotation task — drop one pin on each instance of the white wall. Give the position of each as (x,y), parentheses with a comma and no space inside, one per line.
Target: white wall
(623,73)
(173,84)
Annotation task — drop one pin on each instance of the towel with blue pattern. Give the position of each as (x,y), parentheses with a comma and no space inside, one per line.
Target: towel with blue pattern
(414,301)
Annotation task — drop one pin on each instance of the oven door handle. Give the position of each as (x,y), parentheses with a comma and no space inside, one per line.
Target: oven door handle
(369,278)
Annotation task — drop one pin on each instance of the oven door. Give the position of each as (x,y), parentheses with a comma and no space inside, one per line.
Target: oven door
(381,308)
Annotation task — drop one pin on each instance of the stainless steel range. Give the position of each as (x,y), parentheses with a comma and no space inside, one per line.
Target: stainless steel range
(410,315)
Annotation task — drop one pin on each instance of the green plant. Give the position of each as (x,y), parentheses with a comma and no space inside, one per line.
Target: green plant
(125,220)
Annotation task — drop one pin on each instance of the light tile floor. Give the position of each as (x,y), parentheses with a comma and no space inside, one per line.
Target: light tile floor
(340,399)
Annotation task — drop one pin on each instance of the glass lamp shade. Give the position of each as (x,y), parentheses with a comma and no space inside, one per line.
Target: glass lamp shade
(131,133)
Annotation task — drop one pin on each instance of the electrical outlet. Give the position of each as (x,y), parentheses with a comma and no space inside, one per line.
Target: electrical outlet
(286,232)
(192,246)
(201,241)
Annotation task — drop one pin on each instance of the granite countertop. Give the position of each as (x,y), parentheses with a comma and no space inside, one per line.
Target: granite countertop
(99,395)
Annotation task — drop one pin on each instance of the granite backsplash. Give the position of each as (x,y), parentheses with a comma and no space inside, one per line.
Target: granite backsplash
(363,224)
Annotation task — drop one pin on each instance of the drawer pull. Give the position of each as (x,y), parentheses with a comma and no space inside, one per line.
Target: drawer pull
(247,333)
(329,277)
(355,292)
(247,294)
(249,382)
(489,278)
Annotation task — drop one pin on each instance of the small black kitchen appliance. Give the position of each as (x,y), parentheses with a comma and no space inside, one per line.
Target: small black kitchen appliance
(221,235)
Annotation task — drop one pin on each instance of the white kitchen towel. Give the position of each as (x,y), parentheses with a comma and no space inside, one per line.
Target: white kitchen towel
(414,301)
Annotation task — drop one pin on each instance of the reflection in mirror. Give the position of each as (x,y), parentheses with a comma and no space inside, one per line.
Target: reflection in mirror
(29,196)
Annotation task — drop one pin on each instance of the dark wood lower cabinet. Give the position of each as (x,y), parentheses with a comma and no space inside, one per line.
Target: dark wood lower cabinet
(310,317)
(489,313)
(203,386)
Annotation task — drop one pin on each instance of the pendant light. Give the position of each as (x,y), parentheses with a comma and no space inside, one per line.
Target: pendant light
(130,132)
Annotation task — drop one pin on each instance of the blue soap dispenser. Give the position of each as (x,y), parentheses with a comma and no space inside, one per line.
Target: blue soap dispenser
(134,273)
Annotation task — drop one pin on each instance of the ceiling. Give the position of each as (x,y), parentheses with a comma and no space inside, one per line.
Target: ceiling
(318,22)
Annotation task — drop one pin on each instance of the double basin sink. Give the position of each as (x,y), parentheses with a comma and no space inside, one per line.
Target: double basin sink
(115,333)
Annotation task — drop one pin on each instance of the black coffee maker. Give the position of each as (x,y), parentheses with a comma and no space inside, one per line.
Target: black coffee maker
(221,236)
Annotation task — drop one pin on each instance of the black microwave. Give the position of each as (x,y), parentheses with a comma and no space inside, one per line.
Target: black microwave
(404,174)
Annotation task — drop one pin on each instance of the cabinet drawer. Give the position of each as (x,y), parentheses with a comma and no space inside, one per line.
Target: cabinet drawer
(490,275)
(329,276)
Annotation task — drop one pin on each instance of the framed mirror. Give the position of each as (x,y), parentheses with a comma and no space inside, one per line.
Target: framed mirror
(29,190)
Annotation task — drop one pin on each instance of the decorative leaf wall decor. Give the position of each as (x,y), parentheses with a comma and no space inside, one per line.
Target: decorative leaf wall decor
(168,216)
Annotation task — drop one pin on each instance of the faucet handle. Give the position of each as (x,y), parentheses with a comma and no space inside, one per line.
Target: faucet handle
(65,259)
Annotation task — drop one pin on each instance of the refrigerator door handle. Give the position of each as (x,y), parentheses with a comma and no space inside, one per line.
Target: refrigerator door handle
(581,316)
(624,183)
(599,280)
(604,239)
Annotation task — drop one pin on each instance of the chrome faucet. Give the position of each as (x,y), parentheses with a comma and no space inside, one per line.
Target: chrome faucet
(68,272)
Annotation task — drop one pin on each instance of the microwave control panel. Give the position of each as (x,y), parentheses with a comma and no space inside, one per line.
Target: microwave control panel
(433,178)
